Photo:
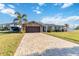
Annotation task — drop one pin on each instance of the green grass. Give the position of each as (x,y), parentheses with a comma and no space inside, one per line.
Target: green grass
(70,36)
(9,43)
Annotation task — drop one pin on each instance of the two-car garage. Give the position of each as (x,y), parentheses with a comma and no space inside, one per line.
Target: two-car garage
(31,29)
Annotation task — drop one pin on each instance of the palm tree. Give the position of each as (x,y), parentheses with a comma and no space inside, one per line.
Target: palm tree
(21,20)
(24,22)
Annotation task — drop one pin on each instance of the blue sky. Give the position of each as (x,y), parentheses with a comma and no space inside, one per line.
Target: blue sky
(57,13)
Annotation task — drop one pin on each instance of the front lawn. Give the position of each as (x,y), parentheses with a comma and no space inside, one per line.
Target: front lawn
(9,43)
(70,36)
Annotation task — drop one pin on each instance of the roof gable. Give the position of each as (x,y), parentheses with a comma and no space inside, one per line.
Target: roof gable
(33,23)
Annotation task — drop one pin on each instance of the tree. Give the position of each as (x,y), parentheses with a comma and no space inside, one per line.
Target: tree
(21,20)
(24,22)
(66,26)
(50,29)
(77,28)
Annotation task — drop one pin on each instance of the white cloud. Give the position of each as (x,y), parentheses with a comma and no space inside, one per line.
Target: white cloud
(2,6)
(11,6)
(73,18)
(65,5)
(57,4)
(8,11)
(41,4)
(60,20)
(37,8)
(37,11)
(53,20)
(5,10)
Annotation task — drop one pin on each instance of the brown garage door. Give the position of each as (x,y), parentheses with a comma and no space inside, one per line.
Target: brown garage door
(31,29)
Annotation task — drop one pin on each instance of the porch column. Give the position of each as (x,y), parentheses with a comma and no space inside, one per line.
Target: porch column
(41,29)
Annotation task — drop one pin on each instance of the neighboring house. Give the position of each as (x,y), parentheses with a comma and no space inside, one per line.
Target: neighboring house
(5,26)
(39,27)
(9,27)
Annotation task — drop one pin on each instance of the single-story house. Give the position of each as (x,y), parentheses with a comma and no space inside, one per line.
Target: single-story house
(40,27)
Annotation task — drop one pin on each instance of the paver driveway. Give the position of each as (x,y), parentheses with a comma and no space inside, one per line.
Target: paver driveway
(39,44)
